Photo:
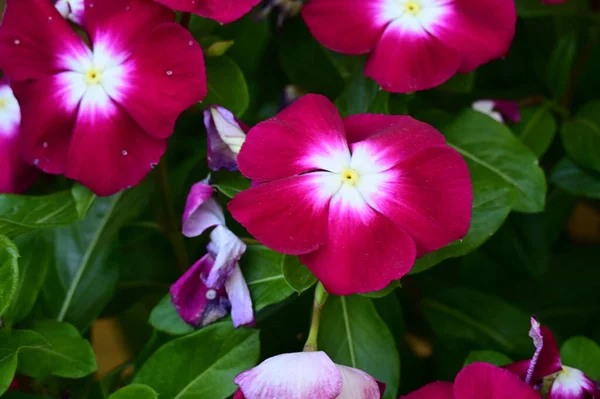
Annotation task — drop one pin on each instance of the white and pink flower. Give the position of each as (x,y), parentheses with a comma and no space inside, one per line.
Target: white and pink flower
(72,10)
(225,135)
(224,11)
(101,114)
(499,110)
(414,44)
(357,199)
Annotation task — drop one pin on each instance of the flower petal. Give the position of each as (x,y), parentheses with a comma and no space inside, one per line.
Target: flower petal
(305,375)
(429,195)
(109,151)
(201,210)
(508,108)
(197,304)
(357,28)
(165,76)
(480,31)
(483,380)
(364,251)
(224,11)
(289,215)
(225,136)
(407,60)
(356,384)
(308,135)
(571,383)
(73,10)
(239,394)
(38,43)
(435,390)
(227,248)
(239,297)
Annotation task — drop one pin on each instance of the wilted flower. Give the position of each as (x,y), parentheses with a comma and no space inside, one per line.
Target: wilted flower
(225,134)
(99,115)
(224,11)
(15,174)
(499,109)
(414,44)
(358,199)
(214,285)
(306,375)
(71,9)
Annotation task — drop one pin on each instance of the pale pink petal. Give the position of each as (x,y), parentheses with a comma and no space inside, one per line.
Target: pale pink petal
(571,383)
(346,26)
(197,304)
(364,251)
(480,31)
(407,60)
(308,135)
(356,384)
(224,11)
(483,380)
(429,195)
(72,10)
(239,297)
(109,151)
(546,359)
(435,390)
(227,249)
(165,76)
(289,215)
(201,210)
(38,40)
(225,135)
(305,375)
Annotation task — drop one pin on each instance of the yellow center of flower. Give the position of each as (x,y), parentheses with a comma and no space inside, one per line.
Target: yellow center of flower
(3,103)
(350,176)
(413,7)
(92,77)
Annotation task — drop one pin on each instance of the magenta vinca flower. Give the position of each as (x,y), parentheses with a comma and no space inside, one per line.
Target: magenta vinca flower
(566,382)
(499,110)
(478,381)
(15,174)
(101,114)
(358,199)
(72,10)
(225,135)
(306,375)
(214,285)
(224,11)
(414,44)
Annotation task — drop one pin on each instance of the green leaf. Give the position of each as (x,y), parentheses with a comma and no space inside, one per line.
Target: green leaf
(36,254)
(467,315)
(536,129)
(359,93)
(263,271)
(582,353)
(536,8)
(8,368)
(21,395)
(13,341)
(201,365)
(164,317)
(229,183)
(226,85)
(384,292)
(559,68)
(460,83)
(297,275)
(353,334)
(576,180)
(492,357)
(9,272)
(581,136)
(496,156)
(135,391)
(66,354)
(20,214)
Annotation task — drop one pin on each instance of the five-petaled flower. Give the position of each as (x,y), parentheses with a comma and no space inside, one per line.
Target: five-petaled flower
(224,11)
(99,115)
(306,375)
(358,199)
(414,44)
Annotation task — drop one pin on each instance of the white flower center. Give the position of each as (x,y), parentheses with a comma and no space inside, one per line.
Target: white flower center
(10,113)
(414,15)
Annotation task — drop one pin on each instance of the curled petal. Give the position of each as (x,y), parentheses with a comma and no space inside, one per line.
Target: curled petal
(227,249)
(356,384)
(225,136)
(201,210)
(239,297)
(546,359)
(73,10)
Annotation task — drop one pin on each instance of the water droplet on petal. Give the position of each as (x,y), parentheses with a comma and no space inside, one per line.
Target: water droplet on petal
(124,152)
(45,144)
(49,18)
(36,162)
(211,294)
(169,73)
(191,42)
(17,42)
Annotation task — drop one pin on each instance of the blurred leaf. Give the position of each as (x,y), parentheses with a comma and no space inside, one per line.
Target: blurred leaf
(460,83)
(536,129)
(581,136)
(575,180)
(492,357)
(263,271)
(201,365)
(9,272)
(359,93)
(218,48)
(536,8)
(353,334)
(20,214)
(164,317)
(135,391)
(13,341)
(8,367)
(582,353)
(21,395)
(559,69)
(297,275)
(384,292)
(226,85)
(229,183)
(381,103)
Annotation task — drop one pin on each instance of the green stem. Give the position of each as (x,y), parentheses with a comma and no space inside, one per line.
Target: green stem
(320,298)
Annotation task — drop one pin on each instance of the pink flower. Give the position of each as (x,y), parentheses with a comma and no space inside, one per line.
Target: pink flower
(499,109)
(358,199)
(214,285)
(225,134)
(15,174)
(478,381)
(414,44)
(72,10)
(99,115)
(224,11)
(306,375)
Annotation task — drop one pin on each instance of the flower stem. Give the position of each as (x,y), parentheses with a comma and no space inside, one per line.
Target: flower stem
(320,298)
